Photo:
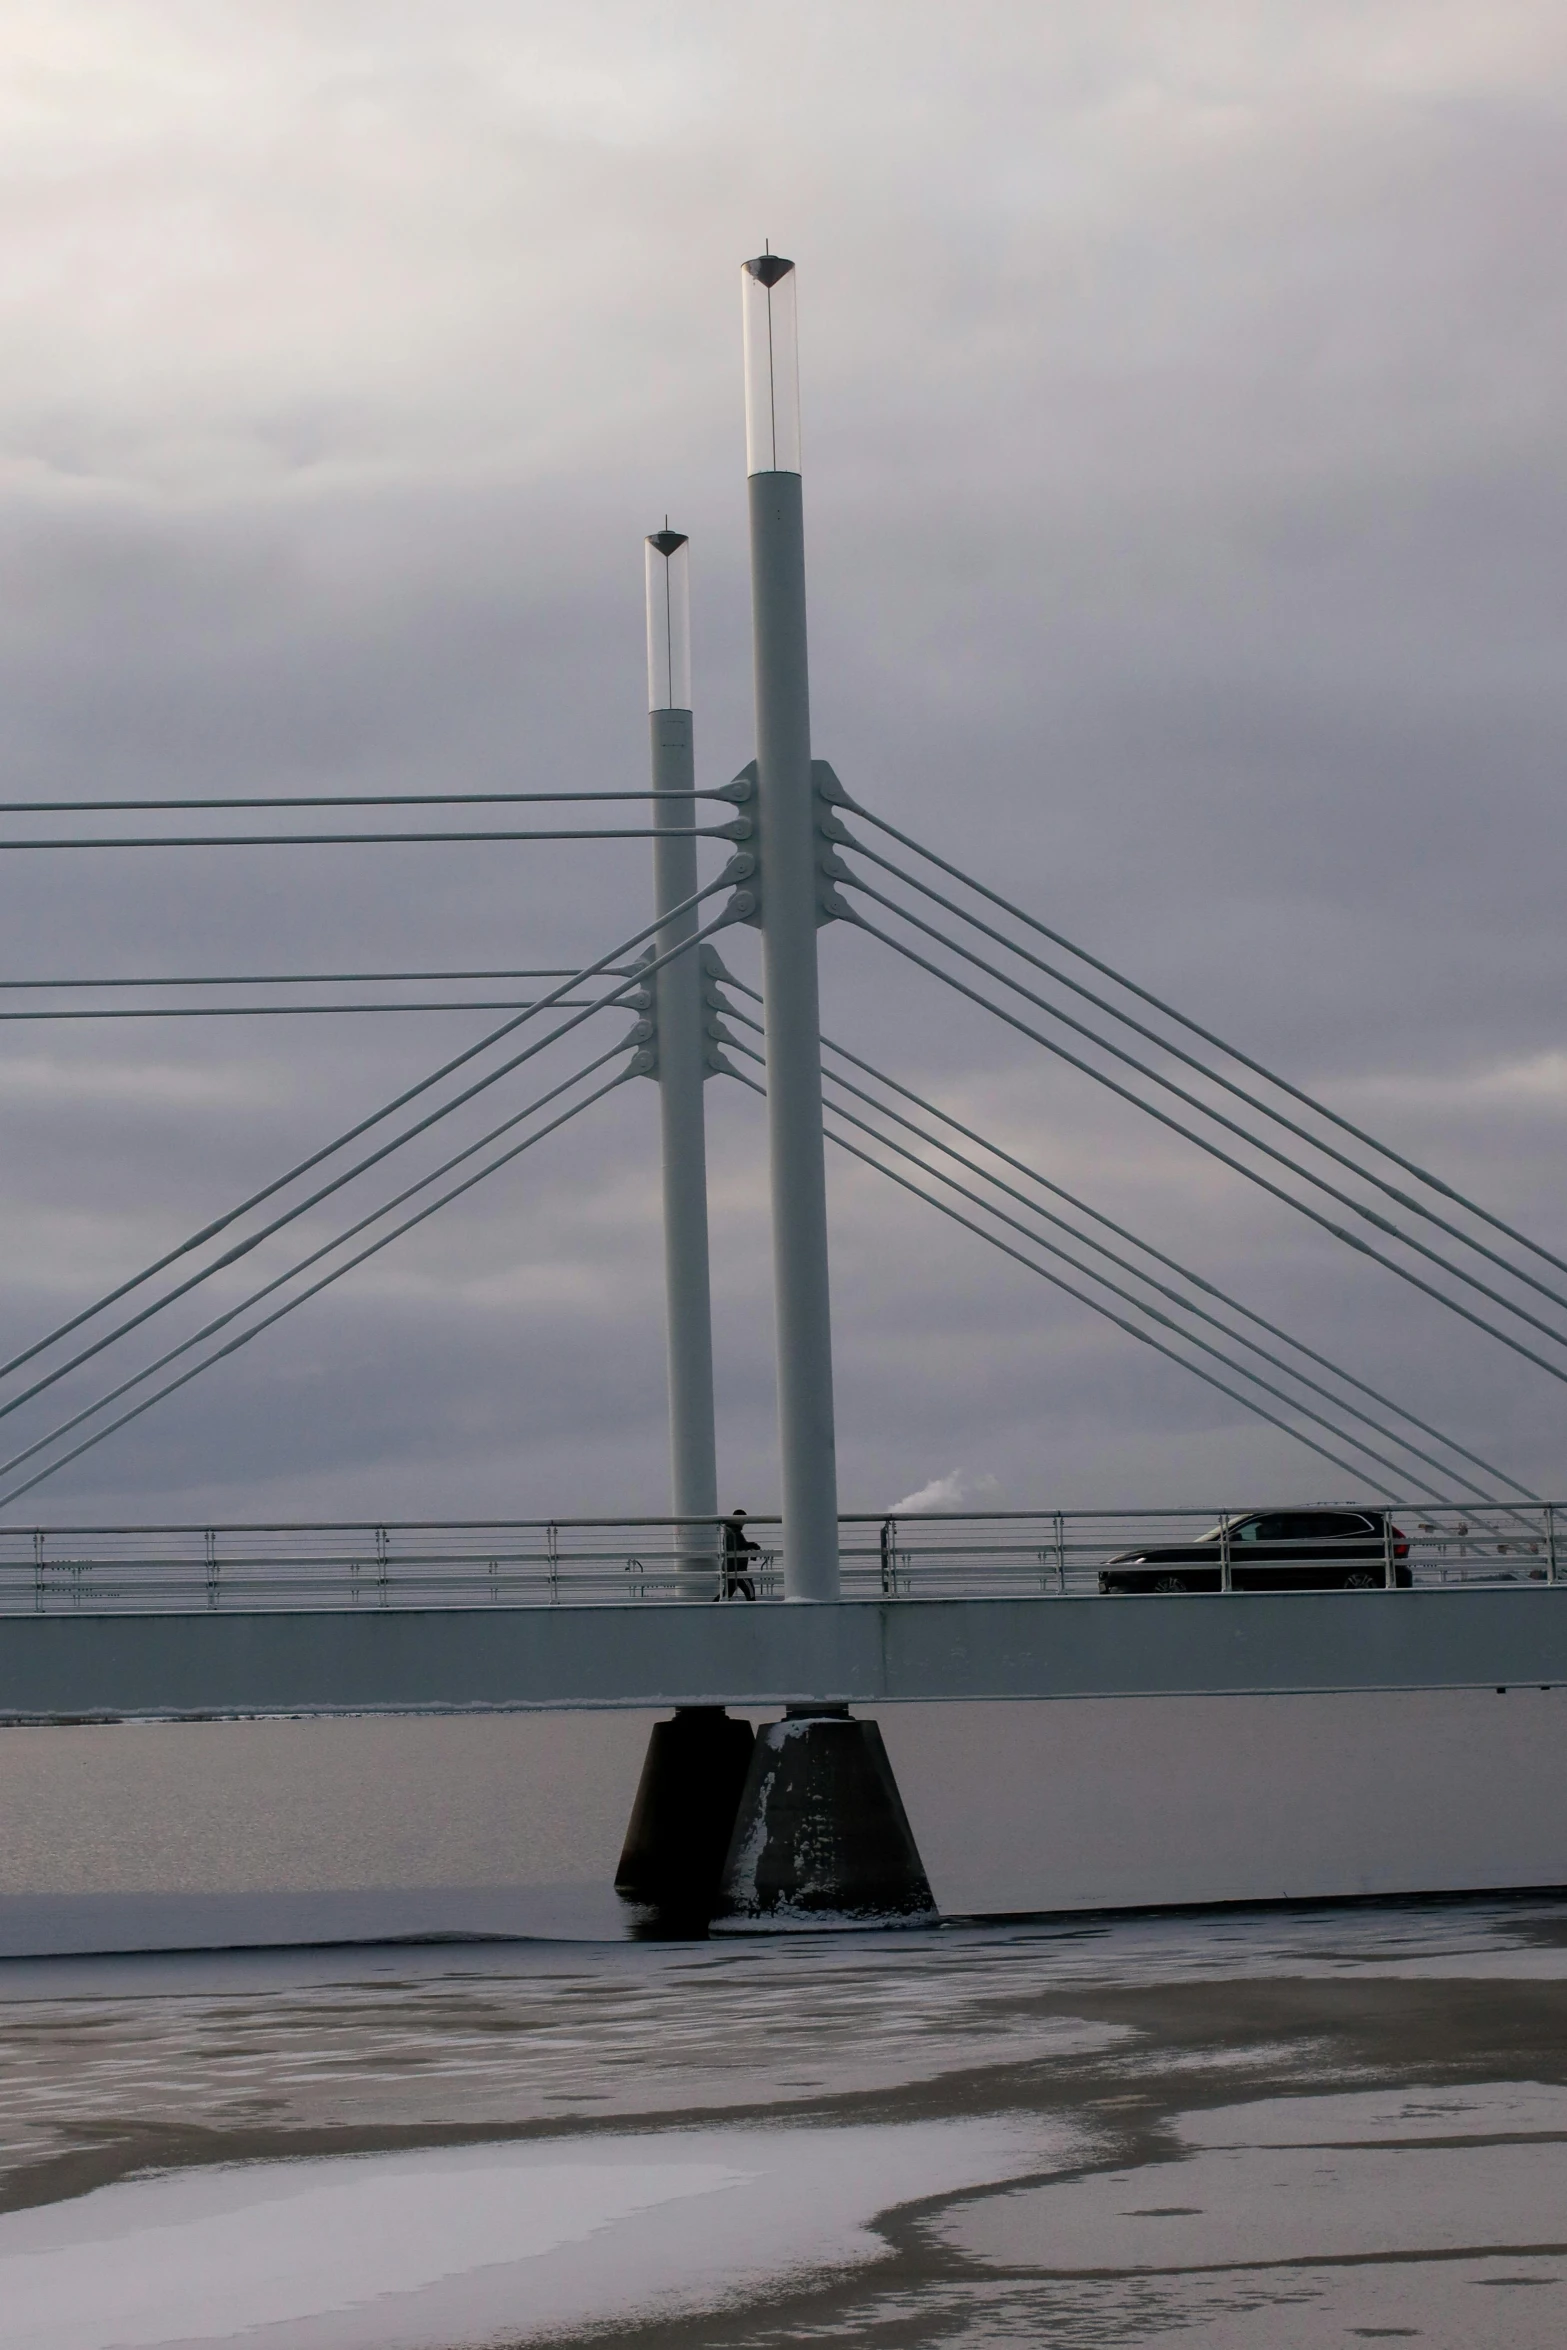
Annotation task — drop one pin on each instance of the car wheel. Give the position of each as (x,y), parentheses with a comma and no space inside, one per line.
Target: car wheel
(1169,1583)
(1362,1579)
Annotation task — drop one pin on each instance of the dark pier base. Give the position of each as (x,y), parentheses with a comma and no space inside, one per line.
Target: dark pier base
(822,1838)
(684,1813)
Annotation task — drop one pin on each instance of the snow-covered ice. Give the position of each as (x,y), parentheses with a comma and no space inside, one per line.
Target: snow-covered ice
(499,2242)
(1275,2131)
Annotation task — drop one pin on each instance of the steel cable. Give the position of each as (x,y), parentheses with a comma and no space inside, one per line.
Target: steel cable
(1245,1060)
(244,1337)
(1241,1093)
(330,1149)
(360,840)
(341,1240)
(1206,1110)
(1137,1273)
(273,1011)
(1138,1305)
(396,799)
(1197,1280)
(1136,1240)
(299,979)
(1145,1337)
(1252,1175)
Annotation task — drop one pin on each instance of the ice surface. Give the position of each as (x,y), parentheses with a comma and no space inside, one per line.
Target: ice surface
(1258,2132)
(1504,2303)
(1491,2109)
(685,2031)
(1433,2214)
(1265,2205)
(413,2251)
(270,2243)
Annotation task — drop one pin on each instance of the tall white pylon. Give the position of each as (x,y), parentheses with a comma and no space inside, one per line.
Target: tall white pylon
(682,1064)
(787,839)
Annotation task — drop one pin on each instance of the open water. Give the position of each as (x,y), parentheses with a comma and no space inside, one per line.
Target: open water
(1250,2128)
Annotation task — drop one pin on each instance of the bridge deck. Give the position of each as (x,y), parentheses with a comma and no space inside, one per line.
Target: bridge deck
(400,1660)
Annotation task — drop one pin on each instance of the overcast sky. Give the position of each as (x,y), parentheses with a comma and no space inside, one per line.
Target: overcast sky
(1185,495)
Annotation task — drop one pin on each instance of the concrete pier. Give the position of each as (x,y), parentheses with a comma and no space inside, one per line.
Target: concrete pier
(822,1838)
(687,1799)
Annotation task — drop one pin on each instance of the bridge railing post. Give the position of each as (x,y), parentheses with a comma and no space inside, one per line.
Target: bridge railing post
(1226,1582)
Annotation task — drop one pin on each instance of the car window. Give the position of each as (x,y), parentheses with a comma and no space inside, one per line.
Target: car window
(1266,1530)
(1334,1525)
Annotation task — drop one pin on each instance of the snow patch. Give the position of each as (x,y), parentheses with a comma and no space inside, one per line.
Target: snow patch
(411,2251)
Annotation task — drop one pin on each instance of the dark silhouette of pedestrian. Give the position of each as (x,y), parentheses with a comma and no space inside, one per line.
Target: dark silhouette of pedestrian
(739,1550)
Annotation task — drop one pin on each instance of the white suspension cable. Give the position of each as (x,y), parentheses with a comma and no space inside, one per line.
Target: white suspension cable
(1206,1110)
(396,799)
(266,1011)
(361,840)
(1198,1281)
(1137,1304)
(1213,1149)
(1241,1093)
(1138,1273)
(292,1273)
(1160,1256)
(1195,1028)
(1145,1337)
(244,1337)
(291,979)
(352,1133)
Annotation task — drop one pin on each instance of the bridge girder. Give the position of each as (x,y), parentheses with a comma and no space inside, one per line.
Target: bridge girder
(866,1652)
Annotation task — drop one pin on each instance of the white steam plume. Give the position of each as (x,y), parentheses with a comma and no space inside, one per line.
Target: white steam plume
(942,1493)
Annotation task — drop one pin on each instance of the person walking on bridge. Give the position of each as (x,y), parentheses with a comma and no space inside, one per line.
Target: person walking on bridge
(739,1550)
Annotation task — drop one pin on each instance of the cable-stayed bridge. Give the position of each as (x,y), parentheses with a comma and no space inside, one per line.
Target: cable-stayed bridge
(96,1625)
(1441,1245)
(171,1622)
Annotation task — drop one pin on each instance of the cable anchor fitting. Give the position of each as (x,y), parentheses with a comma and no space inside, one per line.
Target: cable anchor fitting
(642,1038)
(715,1004)
(747,868)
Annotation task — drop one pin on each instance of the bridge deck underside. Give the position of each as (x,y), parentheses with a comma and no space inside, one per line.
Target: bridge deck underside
(361,1660)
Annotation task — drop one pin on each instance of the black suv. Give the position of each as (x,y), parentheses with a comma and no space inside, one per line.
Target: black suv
(1272,1550)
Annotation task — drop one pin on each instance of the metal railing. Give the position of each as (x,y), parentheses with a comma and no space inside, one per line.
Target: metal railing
(1041,1554)
(1066,1552)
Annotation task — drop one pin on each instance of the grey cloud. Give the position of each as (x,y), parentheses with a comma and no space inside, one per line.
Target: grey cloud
(1184,490)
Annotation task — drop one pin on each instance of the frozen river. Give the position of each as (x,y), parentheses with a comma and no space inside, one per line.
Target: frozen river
(1245,2130)
(1249,2129)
